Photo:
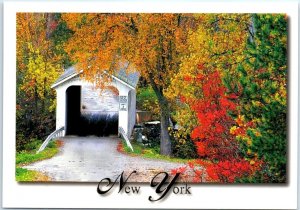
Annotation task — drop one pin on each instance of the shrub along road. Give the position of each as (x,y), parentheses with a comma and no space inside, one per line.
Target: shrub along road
(91,159)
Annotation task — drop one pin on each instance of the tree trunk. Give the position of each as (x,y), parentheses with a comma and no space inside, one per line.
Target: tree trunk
(35,100)
(49,20)
(45,97)
(165,140)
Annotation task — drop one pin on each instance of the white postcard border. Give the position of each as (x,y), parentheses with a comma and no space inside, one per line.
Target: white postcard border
(84,195)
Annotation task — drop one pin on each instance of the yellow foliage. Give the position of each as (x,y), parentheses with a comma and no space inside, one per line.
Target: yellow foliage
(37,65)
(217,43)
(252,162)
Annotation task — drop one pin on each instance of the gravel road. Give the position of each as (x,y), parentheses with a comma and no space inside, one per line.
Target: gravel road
(90,159)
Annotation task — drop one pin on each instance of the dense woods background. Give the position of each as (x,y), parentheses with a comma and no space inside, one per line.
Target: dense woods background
(221,77)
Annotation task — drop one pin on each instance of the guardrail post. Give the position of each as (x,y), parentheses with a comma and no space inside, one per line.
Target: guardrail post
(122,132)
(53,135)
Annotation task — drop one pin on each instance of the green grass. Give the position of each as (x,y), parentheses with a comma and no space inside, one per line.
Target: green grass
(152,153)
(27,157)
(30,156)
(25,175)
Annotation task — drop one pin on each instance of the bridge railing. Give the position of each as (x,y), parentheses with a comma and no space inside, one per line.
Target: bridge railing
(122,132)
(54,135)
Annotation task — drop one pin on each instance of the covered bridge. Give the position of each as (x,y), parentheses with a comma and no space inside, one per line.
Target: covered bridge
(83,110)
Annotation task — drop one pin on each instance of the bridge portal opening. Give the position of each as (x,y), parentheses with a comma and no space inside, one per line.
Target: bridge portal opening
(73,102)
(90,111)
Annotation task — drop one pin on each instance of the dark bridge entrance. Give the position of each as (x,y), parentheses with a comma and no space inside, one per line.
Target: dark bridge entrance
(73,110)
(82,118)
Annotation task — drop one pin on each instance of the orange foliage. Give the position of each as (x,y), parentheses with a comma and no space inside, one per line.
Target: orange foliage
(151,43)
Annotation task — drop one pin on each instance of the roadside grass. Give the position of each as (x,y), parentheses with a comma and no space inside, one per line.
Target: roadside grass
(29,156)
(152,153)
(24,175)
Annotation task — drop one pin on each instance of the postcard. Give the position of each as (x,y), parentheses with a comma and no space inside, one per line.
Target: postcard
(159,105)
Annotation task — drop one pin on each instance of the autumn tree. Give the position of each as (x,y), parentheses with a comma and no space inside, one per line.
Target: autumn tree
(151,43)
(256,78)
(38,66)
(224,159)
(212,136)
(218,44)
(215,50)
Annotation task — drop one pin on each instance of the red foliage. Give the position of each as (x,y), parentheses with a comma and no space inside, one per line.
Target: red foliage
(180,170)
(53,25)
(182,99)
(212,136)
(201,148)
(242,128)
(18,107)
(187,78)
(229,170)
(59,143)
(201,66)
(120,148)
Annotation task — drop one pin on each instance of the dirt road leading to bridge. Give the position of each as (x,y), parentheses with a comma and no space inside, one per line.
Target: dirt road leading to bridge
(90,159)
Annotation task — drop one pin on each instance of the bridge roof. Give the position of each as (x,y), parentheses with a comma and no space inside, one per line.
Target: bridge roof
(130,78)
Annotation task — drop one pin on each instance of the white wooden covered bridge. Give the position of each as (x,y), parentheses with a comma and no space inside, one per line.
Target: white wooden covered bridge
(82,109)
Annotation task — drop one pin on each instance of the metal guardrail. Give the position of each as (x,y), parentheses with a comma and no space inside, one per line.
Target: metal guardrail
(122,132)
(58,133)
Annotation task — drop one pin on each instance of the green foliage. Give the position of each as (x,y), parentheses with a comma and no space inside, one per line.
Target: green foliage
(59,37)
(263,96)
(182,145)
(21,141)
(145,93)
(146,100)
(33,144)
